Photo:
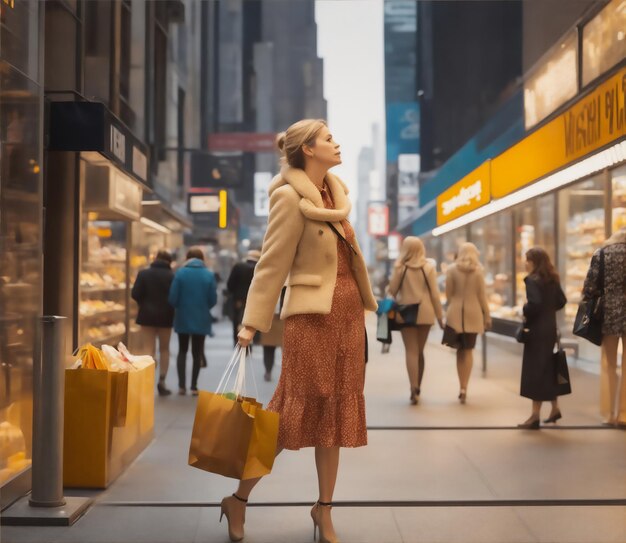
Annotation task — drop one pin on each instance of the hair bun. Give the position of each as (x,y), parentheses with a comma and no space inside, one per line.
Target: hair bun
(280,141)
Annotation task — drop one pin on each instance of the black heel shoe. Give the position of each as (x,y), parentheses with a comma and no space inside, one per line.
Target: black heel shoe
(530,424)
(553,418)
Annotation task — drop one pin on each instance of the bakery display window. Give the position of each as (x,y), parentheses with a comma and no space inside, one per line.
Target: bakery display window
(582,231)
(492,237)
(534,225)
(103,281)
(618,200)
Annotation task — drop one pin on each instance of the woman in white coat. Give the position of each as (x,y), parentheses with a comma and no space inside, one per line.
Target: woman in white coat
(468,310)
(414,281)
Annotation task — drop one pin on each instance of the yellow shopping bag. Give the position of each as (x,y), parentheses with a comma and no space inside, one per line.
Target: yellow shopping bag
(233,437)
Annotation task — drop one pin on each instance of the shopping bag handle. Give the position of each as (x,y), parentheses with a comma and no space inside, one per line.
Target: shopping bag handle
(237,367)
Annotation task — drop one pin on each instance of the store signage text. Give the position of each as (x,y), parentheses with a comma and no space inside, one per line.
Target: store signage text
(140,164)
(469,193)
(603,112)
(594,121)
(118,144)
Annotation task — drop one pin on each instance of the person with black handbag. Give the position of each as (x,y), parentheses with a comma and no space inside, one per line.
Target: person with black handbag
(468,310)
(605,289)
(539,372)
(414,286)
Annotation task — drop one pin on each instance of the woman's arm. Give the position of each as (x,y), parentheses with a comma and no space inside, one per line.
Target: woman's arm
(174,292)
(394,282)
(591,287)
(534,299)
(433,288)
(284,230)
(482,298)
(449,285)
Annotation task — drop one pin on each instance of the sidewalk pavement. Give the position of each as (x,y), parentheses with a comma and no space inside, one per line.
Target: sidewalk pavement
(436,472)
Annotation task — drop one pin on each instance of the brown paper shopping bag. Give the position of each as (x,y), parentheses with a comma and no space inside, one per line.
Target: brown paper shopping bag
(233,437)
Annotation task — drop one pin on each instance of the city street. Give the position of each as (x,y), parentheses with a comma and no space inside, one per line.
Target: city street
(436,472)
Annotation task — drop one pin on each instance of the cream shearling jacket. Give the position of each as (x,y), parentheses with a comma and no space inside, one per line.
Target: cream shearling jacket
(468,310)
(300,249)
(415,290)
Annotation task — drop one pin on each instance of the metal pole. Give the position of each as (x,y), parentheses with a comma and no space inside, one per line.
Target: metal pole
(48,401)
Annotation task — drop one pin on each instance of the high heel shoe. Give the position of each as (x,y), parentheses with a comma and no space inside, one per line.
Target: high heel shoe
(316,513)
(553,418)
(414,398)
(530,424)
(235,533)
(462,395)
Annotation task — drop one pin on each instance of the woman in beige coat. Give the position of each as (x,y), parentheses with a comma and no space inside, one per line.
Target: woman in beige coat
(468,311)
(310,244)
(414,281)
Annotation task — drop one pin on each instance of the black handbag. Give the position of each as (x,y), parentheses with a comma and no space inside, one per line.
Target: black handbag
(451,338)
(561,371)
(407,313)
(521,334)
(590,314)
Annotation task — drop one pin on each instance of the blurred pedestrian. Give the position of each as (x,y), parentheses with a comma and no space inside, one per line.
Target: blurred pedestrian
(614,321)
(468,310)
(320,391)
(273,338)
(238,284)
(414,281)
(193,293)
(156,315)
(544,298)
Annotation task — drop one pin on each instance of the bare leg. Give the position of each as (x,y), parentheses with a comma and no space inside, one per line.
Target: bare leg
(411,348)
(466,367)
(555,407)
(327,463)
(422,337)
(609,376)
(536,409)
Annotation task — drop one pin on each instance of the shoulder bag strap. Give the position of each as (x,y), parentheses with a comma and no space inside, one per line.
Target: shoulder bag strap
(430,293)
(345,241)
(601,273)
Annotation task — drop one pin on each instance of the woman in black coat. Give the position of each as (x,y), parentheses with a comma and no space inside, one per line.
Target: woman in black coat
(544,298)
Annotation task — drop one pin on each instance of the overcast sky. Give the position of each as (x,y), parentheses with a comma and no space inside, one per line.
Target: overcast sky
(350,40)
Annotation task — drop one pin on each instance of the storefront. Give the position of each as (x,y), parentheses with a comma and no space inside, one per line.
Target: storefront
(562,187)
(21,120)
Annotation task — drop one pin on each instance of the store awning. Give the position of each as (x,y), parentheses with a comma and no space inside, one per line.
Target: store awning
(164,215)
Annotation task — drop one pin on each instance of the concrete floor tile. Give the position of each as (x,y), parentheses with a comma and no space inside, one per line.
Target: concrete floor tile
(461,525)
(575,524)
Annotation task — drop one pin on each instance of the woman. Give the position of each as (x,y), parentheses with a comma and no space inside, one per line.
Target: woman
(193,293)
(614,322)
(544,298)
(156,315)
(320,391)
(468,311)
(414,281)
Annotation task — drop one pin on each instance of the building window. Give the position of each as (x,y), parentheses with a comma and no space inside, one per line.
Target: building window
(604,41)
(619,198)
(160,87)
(553,81)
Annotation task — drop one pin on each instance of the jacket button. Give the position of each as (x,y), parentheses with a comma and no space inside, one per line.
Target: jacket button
(321,232)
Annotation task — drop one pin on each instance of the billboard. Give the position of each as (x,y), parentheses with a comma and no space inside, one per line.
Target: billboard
(408,185)
(377,219)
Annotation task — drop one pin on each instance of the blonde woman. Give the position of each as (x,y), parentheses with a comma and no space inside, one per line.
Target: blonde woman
(310,244)
(614,322)
(414,281)
(468,311)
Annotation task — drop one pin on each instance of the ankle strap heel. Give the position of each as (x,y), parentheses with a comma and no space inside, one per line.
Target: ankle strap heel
(240,499)
(325,504)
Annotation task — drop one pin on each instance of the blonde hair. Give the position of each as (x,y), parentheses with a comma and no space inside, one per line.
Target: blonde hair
(290,142)
(412,253)
(619,236)
(468,257)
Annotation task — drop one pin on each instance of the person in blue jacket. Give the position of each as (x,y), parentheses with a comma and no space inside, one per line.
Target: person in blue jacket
(192,295)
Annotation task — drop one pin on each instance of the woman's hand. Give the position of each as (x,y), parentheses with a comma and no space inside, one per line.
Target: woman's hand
(488,323)
(245,336)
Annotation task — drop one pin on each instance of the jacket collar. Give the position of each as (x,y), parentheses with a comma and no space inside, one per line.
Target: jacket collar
(194,263)
(311,203)
(160,264)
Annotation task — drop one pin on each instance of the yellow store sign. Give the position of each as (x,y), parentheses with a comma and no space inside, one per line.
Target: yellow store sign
(593,122)
(468,194)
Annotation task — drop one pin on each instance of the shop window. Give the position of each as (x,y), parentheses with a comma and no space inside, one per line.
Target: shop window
(492,236)
(618,204)
(534,227)
(553,82)
(19,37)
(604,41)
(581,225)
